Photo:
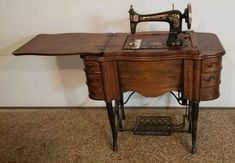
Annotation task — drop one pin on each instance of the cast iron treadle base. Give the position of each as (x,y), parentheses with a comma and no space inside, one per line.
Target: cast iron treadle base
(153,125)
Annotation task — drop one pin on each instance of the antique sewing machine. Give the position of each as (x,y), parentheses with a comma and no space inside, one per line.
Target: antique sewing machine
(173,17)
(150,63)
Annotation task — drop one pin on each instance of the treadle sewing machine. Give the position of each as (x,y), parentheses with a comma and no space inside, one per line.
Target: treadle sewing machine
(149,63)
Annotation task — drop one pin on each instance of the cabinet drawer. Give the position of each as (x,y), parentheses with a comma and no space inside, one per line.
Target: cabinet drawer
(92,66)
(94,79)
(95,86)
(209,93)
(211,64)
(95,93)
(210,79)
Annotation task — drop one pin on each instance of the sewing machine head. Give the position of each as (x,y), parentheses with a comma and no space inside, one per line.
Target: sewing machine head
(173,17)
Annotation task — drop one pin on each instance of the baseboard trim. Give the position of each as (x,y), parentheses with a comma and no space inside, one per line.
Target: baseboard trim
(101,107)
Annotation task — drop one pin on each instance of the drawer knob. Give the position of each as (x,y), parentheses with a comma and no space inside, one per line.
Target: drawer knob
(212,64)
(210,79)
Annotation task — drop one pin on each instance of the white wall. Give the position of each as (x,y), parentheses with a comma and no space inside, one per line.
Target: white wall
(60,81)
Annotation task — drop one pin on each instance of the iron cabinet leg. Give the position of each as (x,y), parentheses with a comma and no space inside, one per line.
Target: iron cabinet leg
(112,121)
(194,119)
(121,112)
(190,117)
(118,113)
(122,106)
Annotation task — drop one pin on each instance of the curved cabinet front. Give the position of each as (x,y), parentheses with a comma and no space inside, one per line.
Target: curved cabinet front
(210,78)
(94,79)
(198,79)
(150,78)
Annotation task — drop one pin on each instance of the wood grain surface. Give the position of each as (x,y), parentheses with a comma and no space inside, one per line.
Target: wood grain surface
(193,69)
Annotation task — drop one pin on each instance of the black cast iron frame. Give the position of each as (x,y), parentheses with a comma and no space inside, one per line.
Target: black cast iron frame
(116,115)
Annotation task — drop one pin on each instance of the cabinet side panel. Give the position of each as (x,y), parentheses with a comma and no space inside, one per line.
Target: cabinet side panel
(197,80)
(188,79)
(110,80)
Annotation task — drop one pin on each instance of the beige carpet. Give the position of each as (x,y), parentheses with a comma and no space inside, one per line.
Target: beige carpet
(83,135)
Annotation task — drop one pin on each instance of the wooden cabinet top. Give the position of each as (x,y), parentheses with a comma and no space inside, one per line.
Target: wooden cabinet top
(116,44)
(65,44)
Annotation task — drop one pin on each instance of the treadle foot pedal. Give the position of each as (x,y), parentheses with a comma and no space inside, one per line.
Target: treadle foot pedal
(153,125)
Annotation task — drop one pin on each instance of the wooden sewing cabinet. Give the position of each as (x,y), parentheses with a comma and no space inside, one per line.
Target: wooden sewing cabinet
(112,68)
